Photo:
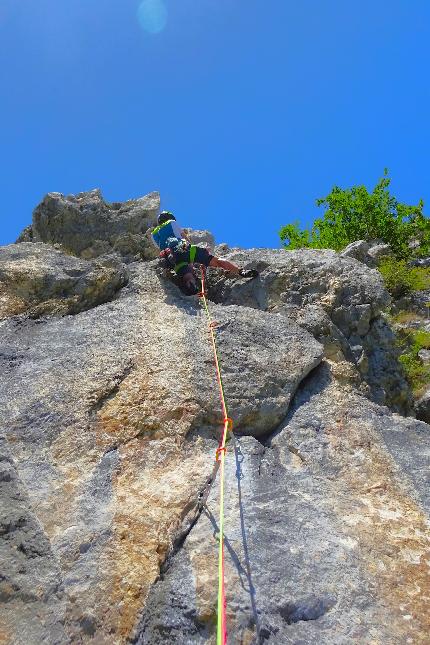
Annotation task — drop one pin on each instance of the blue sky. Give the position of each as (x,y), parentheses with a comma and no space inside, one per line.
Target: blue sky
(240,113)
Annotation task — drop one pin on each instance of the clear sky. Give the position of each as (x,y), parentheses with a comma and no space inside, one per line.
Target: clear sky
(241,113)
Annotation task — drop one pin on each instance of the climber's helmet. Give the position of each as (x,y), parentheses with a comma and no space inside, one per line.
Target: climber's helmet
(165,216)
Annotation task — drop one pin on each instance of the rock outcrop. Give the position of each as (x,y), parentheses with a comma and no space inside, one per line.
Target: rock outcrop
(37,279)
(371,253)
(423,407)
(88,226)
(110,422)
(339,300)
(30,577)
(201,238)
(327,536)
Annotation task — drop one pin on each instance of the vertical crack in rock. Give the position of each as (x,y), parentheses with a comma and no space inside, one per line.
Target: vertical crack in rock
(294,571)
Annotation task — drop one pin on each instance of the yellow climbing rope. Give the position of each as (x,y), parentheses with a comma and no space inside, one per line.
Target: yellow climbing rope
(220,457)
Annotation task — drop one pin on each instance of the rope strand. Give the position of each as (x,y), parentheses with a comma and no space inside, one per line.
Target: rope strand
(220,457)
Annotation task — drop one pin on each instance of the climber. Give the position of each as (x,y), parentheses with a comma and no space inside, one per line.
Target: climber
(180,255)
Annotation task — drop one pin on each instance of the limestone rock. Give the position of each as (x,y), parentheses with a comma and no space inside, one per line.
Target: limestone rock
(422,407)
(222,249)
(112,420)
(87,226)
(421,262)
(26,235)
(114,415)
(201,238)
(338,299)
(424,355)
(326,531)
(348,291)
(37,279)
(31,594)
(418,302)
(379,252)
(358,250)
(370,253)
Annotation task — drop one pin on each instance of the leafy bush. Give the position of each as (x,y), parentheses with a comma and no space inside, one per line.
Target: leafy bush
(401,279)
(417,373)
(421,339)
(356,214)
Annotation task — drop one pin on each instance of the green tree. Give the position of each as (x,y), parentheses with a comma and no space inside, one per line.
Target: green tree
(357,214)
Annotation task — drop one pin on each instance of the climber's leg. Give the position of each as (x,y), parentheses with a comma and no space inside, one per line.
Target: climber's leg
(202,256)
(229,266)
(224,264)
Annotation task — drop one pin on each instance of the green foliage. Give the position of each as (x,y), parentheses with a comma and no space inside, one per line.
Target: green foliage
(401,279)
(405,317)
(417,373)
(356,214)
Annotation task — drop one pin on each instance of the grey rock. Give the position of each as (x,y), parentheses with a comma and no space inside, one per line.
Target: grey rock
(302,572)
(201,238)
(37,279)
(280,351)
(421,262)
(370,253)
(380,252)
(112,418)
(380,368)
(424,355)
(358,250)
(26,235)
(338,299)
(90,401)
(221,249)
(87,226)
(417,306)
(346,289)
(422,407)
(31,593)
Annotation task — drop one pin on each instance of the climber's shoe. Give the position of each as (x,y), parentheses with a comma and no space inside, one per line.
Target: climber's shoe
(248,273)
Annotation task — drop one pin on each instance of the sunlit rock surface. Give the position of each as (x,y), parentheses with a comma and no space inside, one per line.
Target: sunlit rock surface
(88,226)
(37,279)
(110,422)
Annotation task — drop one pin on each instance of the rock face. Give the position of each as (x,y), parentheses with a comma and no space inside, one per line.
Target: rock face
(326,538)
(201,238)
(417,302)
(358,250)
(423,407)
(337,299)
(87,226)
(379,252)
(110,423)
(32,601)
(371,253)
(37,279)
(421,262)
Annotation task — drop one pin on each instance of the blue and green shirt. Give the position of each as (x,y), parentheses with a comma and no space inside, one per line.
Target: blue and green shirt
(162,233)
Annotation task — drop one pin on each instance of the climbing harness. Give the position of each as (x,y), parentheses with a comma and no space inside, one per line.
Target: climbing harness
(219,465)
(170,254)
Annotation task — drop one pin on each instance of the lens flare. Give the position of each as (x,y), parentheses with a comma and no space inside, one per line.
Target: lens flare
(152,15)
